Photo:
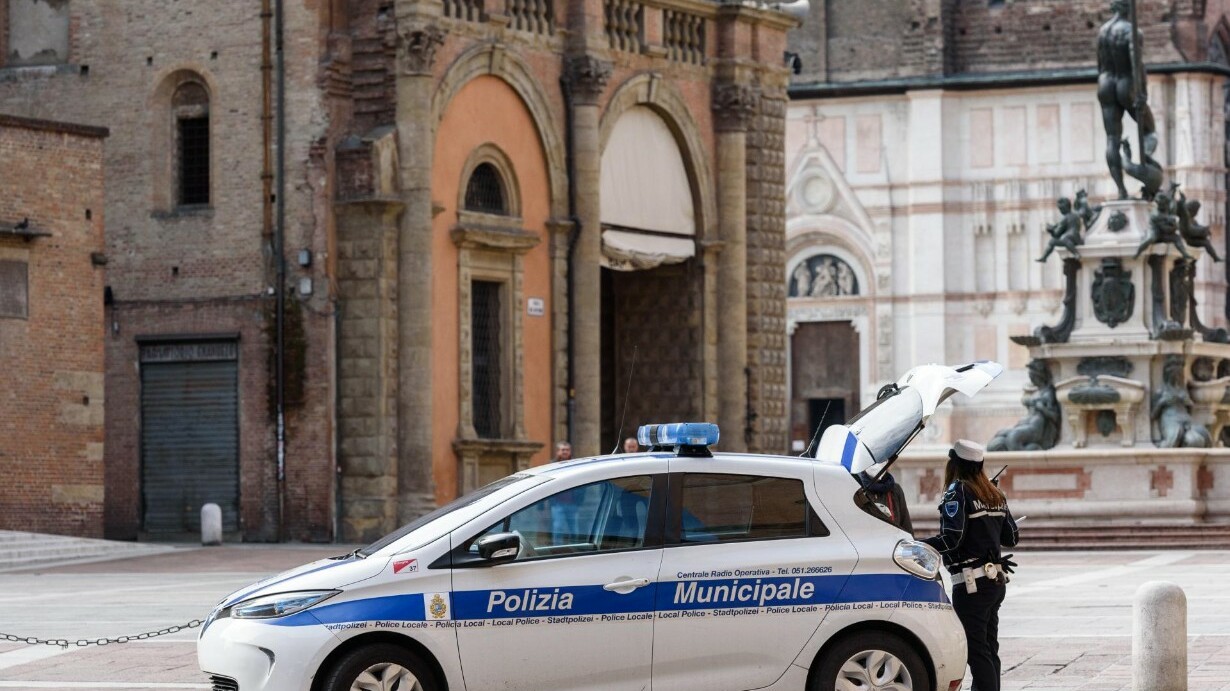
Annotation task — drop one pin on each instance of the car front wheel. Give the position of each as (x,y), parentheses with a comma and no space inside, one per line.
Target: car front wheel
(380,667)
(870,661)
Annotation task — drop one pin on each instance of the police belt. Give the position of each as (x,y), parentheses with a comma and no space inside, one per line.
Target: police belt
(990,570)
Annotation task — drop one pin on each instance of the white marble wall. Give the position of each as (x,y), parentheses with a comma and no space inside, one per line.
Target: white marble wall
(941,198)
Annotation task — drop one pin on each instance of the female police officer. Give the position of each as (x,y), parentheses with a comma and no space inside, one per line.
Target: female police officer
(974,523)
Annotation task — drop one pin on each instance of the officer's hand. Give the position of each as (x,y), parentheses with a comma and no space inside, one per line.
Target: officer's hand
(1006,563)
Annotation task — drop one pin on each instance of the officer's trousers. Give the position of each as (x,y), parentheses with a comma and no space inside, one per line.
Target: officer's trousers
(979,615)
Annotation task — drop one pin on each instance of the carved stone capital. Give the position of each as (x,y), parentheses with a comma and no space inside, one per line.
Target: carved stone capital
(734,106)
(416,48)
(587,75)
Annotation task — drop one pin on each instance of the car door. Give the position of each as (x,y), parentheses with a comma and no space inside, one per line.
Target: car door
(749,564)
(575,609)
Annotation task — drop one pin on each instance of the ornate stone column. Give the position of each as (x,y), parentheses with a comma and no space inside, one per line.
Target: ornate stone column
(734,105)
(587,77)
(416,51)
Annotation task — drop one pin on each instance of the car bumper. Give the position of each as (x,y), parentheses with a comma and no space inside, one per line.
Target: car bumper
(941,634)
(263,657)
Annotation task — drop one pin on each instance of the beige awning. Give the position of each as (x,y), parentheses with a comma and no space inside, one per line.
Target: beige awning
(645,187)
(624,250)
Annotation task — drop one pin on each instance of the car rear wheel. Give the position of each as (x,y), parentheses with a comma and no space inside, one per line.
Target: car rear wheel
(380,667)
(870,661)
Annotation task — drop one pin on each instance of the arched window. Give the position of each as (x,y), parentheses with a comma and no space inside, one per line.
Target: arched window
(190,111)
(485,191)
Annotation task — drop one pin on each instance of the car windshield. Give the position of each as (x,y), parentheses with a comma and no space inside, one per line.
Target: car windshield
(459,503)
(887,425)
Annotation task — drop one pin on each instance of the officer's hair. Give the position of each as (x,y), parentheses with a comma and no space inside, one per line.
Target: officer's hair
(971,475)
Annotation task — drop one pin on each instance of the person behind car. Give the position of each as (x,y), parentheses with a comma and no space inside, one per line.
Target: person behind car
(630,445)
(563,511)
(889,498)
(974,523)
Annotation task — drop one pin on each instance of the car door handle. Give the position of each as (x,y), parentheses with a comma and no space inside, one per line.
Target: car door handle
(626,585)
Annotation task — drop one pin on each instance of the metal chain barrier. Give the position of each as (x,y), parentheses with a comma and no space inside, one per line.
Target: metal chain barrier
(82,643)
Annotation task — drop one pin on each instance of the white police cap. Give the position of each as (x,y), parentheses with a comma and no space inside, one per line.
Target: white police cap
(968,450)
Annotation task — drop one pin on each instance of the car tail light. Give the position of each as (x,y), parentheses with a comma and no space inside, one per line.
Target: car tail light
(918,558)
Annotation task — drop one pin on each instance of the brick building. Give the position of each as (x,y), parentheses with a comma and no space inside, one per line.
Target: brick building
(927,144)
(487,211)
(189,97)
(51,326)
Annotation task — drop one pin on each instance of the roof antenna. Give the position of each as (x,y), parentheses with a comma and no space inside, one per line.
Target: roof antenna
(624,416)
(819,426)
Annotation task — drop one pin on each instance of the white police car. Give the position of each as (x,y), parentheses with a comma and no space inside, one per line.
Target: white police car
(672,569)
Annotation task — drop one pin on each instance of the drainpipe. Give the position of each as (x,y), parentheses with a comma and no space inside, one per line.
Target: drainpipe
(570,162)
(267,119)
(279,257)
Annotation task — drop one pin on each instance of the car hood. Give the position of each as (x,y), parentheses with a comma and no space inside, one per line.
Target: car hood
(324,574)
(880,432)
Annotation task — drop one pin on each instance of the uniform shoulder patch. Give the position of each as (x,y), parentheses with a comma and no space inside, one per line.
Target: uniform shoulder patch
(951,508)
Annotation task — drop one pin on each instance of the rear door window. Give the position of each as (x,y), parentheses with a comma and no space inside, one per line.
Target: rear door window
(717,507)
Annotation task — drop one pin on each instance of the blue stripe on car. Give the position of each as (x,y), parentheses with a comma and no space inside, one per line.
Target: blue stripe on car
(726,593)
(847,453)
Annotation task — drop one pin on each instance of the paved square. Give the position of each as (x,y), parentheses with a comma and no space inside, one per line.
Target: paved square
(1066,625)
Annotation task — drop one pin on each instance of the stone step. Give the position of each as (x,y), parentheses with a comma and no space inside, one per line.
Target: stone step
(20,550)
(1113,536)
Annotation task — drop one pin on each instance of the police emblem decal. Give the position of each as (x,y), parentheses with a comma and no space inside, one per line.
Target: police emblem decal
(951,507)
(437,606)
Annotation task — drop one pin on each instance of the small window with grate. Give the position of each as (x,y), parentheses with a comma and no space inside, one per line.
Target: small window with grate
(485,191)
(194,161)
(485,350)
(190,105)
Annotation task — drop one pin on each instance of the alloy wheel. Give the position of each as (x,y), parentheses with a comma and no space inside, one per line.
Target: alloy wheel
(386,676)
(874,670)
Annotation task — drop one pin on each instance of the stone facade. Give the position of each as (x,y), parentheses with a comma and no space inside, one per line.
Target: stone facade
(52,272)
(934,177)
(395,402)
(190,271)
(873,40)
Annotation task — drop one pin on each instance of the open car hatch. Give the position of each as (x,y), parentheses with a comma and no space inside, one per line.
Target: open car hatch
(881,431)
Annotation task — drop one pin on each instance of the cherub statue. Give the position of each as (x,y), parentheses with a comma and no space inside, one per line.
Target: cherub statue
(1039,429)
(1163,227)
(1088,214)
(1066,232)
(1172,410)
(1194,233)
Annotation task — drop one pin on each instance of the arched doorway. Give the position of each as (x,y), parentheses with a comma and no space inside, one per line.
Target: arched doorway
(827,318)
(652,282)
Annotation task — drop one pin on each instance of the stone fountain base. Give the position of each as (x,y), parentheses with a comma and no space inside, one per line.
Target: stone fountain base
(1077,488)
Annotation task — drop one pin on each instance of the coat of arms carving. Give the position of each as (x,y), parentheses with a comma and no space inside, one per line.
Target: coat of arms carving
(1113,293)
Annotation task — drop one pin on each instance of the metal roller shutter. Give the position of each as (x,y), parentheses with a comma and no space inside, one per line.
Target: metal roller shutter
(189,444)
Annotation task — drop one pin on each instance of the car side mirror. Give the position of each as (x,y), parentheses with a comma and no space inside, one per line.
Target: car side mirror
(499,548)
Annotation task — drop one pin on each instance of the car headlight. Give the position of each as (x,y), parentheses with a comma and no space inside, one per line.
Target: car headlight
(279,605)
(918,558)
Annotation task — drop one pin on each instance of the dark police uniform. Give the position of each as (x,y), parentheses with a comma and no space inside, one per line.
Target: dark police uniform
(971,534)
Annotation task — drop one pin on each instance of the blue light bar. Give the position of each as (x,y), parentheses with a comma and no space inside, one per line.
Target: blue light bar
(679,434)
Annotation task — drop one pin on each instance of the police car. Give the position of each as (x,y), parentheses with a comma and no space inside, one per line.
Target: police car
(679,568)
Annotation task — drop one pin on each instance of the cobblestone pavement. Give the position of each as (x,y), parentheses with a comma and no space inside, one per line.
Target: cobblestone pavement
(1066,624)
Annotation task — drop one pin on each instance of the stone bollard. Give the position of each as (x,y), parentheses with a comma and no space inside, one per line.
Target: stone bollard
(211,524)
(1159,638)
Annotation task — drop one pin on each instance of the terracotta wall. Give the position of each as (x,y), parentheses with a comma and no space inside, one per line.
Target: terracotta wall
(487,111)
